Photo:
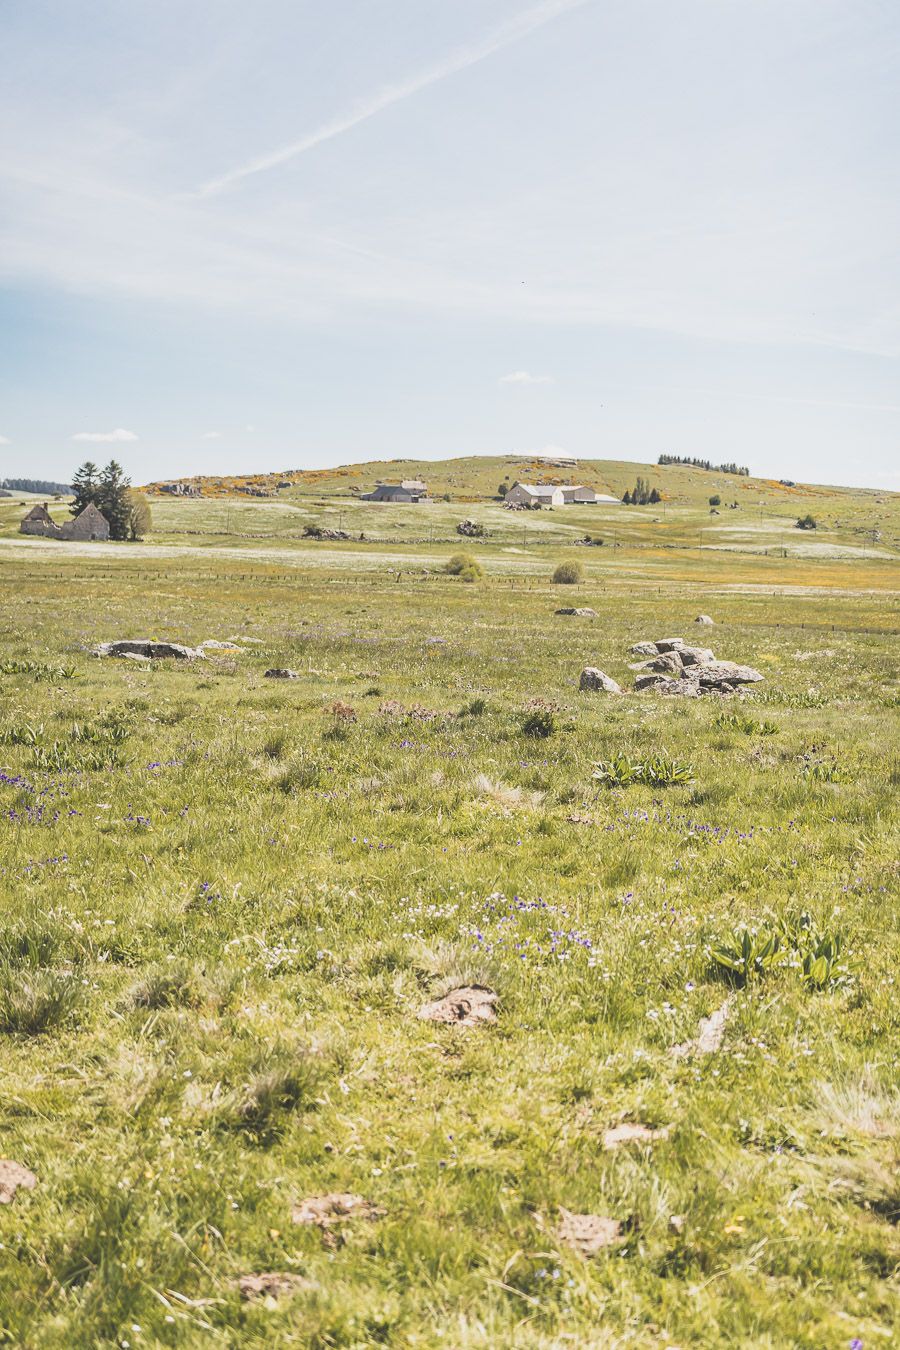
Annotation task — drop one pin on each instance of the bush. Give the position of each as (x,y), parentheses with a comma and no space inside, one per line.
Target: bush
(568,574)
(715,500)
(465,566)
(807,522)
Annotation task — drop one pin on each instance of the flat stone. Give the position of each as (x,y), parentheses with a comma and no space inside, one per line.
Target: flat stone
(580,613)
(14,1177)
(594,680)
(156,651)
(466,1007)
(650,681)
(668,663)
(281,674)
(719,672)
(668,644)
(325,1210)
(272,1284)
(677,688)
(644,649)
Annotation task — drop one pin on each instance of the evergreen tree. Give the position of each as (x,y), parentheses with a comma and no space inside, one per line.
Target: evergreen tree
(113,499)
(655,496)
(85,486)
(627,498)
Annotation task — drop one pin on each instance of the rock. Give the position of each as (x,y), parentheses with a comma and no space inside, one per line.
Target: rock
(587,1233)
(471,529)
(630,1132)
(323,532)
(644,649)
(594,679)
(581,613)
(135,656)
(669,663)
(273,1284)
(466,1007)
(156,651)
(668,644)
(14,1177)
(257,642)
(678,688)
(277,673)
(703,618)
(696,656)
(325,1210)
(212,644)
(721,672)
(650,681)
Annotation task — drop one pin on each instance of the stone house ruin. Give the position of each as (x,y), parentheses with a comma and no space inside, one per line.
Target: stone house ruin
(90,524)
(410,490)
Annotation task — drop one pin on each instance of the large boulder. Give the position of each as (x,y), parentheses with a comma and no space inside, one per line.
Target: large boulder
(678,688)
(155,651)
(644,649)
(668,644)
(721,672)
(703,618)
(594,679)
(581,613)
(669,663)
(650,681)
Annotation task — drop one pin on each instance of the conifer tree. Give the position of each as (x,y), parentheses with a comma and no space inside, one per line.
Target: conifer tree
(85,486)
(113,499)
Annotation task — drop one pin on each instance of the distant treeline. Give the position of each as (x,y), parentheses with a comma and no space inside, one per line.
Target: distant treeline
(37,485)
(704,464)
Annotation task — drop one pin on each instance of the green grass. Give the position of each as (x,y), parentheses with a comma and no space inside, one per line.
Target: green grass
(225,901)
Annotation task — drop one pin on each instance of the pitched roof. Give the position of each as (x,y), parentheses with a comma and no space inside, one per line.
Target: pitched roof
(89,511)
(38,512)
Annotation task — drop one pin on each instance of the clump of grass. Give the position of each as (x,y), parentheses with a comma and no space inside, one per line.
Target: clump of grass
(168,984)
(658,771)
(32,1001)
(568,574)
(475,707)
(282,1081)
(275,746)
(22,734)
(301,775)
(540,722)
(465,566)
(64,757)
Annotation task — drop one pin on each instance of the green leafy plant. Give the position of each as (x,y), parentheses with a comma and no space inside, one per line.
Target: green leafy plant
(750,726)
(657,771)
(746,954)
(539,722)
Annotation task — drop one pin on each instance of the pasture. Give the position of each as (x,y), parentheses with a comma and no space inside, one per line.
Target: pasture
(227,898)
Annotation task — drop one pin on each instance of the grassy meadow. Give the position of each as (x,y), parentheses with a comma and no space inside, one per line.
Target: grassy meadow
(227,897)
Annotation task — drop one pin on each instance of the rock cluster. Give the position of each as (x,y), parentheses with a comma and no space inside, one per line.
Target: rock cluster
(471,529)
(678,669)
(323,532)
(143,649)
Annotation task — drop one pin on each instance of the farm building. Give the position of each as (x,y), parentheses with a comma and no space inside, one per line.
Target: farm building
(410,490)
(568,494)
(91,523)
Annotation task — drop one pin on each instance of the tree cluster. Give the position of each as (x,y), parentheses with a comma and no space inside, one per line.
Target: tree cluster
(705,464)
(41,485)
(127,511)
(642,494)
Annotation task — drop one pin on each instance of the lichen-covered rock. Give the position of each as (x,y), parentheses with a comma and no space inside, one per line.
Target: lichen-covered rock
(581,613)
(721,672)
(696,656)
(154,651)
(644,649)
(703,618)
(668,644)
(596,680)
(668,663)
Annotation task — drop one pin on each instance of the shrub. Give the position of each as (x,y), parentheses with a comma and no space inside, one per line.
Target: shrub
(568,574)
(465,566)
(474,708)
(715,500)
(807,522)
(658,771)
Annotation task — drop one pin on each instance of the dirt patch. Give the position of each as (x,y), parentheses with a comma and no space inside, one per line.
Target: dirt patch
(13,1176)
(630,1132)
(588,1233)
(272,1284)
(467,1006)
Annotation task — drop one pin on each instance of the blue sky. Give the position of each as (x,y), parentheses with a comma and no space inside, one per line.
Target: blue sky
(238,237)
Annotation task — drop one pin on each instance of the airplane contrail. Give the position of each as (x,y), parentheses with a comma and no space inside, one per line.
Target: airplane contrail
(503,36)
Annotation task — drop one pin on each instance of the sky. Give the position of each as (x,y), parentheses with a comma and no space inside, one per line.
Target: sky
(237,238)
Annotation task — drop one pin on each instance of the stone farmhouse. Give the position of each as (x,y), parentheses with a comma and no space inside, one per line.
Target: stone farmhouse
(410,490)
(90,524)
(566,494)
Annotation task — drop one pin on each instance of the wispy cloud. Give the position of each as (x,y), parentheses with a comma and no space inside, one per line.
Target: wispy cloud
(525,377)
(516,28)
(4,441)
(101,437)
